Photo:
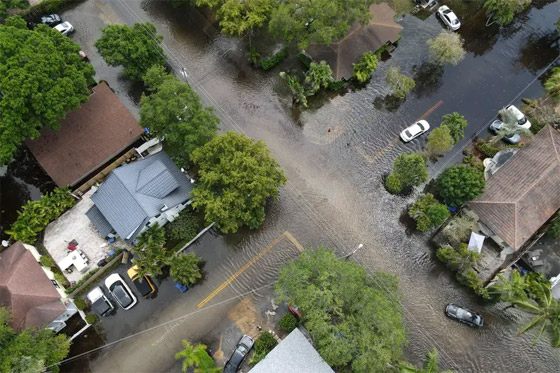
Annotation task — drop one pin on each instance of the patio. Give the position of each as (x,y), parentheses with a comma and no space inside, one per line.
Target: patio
(75,225)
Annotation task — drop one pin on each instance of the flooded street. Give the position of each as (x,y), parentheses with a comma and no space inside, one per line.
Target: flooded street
(335,194)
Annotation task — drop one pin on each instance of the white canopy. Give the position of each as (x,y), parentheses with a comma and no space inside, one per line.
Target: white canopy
(476,241)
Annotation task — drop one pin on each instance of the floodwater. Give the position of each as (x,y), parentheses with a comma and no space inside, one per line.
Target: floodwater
(335,195)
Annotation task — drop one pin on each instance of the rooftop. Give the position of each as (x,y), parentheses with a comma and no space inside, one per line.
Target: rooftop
(293,354)
(88,138)
(341,54)
(525,192)
(27,290)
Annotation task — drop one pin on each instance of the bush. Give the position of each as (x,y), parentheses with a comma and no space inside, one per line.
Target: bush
(306,61)
(393,184)
(554,229)
(470,279)
(269,63)
(288,322)
(59,277)
(470,160)
(428,213)
(460,228)
(47,261)
(80,303)
(336,86)
(487,150)
(460,184)
(36,215)
(263,345)
(185,227)
(365,67)
(91,318)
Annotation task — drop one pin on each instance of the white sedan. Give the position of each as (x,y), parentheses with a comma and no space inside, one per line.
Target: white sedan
(120,291)
(522,120)
(415,130)
(64,28)
(448,17)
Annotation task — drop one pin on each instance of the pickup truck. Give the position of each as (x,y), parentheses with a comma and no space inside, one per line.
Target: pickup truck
(143,284)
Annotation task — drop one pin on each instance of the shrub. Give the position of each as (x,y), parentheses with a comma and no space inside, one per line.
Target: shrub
(47,261)
(288,322)
(336,86)
(36,215)
(470,279)
(428,212)
(393,184)
(306,61)
(410,169)
(554,229)
(365,67)
(439,141)
(486,149)
(91,318)
(263,345)
(269,63)
(185,227)
(459,229)
(460,184)
(80,303)
(59,277)
(470,160)
(460,260)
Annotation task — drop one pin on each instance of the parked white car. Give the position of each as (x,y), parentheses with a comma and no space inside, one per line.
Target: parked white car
(99,302)
(415,130)
(64,28)
(448,17)
(120,291)
(521,119)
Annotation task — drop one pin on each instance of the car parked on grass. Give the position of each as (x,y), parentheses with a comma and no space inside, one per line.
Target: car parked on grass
(511,139)
(51,20)
(120,291)
(241,350)
(415,130)
(143,284)
(448,17)
(99,302)
(522,120)
(64,28)
(464,315)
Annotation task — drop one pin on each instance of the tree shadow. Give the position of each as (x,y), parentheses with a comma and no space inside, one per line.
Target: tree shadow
(428,79)
(388,103)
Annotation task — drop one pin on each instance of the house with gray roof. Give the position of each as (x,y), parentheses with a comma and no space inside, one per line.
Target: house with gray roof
(294,354)
(139,194)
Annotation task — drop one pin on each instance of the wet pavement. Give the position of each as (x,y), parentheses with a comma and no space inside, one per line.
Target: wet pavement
(335,195)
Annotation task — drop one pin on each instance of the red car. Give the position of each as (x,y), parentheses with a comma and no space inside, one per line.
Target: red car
(294,310)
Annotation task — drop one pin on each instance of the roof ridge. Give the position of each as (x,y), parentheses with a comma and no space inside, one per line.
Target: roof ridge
(515,224)
(128,191)
(550,129)
(497,202)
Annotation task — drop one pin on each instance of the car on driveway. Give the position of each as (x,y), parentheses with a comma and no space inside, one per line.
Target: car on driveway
(143,284)
(464,315)
(512,139)
(120,291)
(521,118)
(99,302)
(415,130)
(241,350)
(51,20)
(64,28)
(448,17)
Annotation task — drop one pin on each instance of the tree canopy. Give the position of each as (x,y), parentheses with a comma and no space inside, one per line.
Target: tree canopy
(237,177)
(552,84)
(409,170)
(350,314)
(173,111)
(196,357)
(237,17)
(6,5)
(42,78)
(503,11)
(30,350)
(319,21)
(428,212)
(460,184)
(401,84)
(439,142)
(447,48)
(319,76)
(185,268)
(135,48)
(456,124)
(365,67)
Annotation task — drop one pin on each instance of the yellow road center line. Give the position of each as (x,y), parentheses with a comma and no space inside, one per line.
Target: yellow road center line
(438,104)
(382,151)
(293,240)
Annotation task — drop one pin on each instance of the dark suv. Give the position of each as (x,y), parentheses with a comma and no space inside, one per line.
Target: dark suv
(241,350)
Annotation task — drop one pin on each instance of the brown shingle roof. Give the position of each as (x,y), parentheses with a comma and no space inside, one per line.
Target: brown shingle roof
(27,290)
(88,137)
(342,54)
(525,192)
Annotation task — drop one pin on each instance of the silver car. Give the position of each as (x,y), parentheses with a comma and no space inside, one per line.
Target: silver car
(512,139)
(448,17)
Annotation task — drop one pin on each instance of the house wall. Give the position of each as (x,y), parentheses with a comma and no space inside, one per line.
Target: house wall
(166,216)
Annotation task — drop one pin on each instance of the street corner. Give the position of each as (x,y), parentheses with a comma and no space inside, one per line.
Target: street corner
(322,133)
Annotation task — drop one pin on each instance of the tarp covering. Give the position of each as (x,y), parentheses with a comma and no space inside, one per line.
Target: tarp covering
(476,241)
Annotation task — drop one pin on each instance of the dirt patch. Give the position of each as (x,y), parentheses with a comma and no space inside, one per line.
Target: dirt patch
(244,315)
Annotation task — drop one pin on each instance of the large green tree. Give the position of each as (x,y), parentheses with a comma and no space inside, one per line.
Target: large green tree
(409,170)
(366,66)
(42,78)
(503,11)
(456,124)
(135,48)
(401,84)
(319,76)
(173,111)
(150,252)
(428,212)
(237,17)
(447,48)
(319,21)
(237,176)
(185,268)
(354,318)
(30,350)
(460,184)
(439,142)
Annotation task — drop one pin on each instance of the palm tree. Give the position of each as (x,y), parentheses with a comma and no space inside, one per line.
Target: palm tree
(154,235)
(509,290)
(547,313)
(431,365)
(197,357)
(552,84)
(185,268)
(510,127)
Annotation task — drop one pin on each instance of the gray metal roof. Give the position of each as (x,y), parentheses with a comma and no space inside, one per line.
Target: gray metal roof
(138,191)
(293,354)
(97,218)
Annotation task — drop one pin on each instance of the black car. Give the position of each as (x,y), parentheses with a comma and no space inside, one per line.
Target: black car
(51,20)
(464,315)
(241,350)
(99,302)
